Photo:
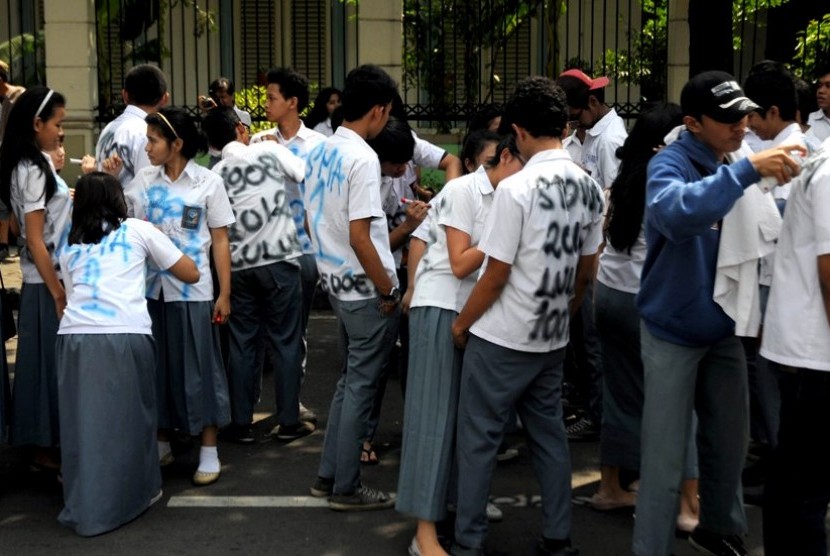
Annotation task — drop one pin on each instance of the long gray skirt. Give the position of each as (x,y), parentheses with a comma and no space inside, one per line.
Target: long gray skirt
(191,386)
(108,423)
(34,419)
(430,412)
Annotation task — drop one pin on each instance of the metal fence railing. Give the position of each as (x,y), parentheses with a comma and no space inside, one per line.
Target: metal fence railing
(21,41)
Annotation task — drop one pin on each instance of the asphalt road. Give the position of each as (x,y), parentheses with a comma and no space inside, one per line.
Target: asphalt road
(261,503)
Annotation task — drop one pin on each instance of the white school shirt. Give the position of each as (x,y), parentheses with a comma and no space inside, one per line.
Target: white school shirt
(463,204)
(343,184)
(573,146)
(184,210)
(790,135)
(621,270)
(426,155)
(105,281)
(599,151)
(255,178)
(324,128)
(392,191)
(796,331)
(125,136)
(28,194)
(543,219)
(300,145)
(819,124)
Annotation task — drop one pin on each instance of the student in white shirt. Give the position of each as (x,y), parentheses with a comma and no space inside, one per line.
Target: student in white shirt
(286,97)
(265,274)
(105,360)
(601,131)
(806,105)
(771,86)
(144,92)
(41,207)
(445,277)
(540,243)
(222,90)
(319,118)
(351,243)
(797,338)
(819,121)
(189,204)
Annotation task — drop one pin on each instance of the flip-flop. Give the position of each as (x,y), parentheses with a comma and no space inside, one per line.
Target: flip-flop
(370,454)
(602,505)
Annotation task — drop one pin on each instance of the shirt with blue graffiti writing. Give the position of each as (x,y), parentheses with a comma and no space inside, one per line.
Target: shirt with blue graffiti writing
(28,194)
(105,281)
(185,211)
(343,184)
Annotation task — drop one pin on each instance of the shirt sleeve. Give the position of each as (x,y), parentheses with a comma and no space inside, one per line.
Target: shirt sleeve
(592,235)
(820,184)
(458,208)
(503,230)
(427,155)
(607,160)
(159,248)
(219,211)
(364,190)
(33,187)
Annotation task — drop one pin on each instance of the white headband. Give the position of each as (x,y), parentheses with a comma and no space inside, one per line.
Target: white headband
(43,104)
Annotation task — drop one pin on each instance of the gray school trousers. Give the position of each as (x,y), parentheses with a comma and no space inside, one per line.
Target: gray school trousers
(366,338)
(493,380)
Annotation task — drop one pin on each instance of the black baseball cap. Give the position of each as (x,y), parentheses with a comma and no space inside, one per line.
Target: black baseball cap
(715,94)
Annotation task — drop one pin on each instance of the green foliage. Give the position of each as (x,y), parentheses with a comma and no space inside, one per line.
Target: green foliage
(252,99)
(25,56)
(812,49)
(645,63)
(745,12)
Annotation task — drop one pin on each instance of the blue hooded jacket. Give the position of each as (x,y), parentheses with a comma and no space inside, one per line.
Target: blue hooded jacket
(682,228)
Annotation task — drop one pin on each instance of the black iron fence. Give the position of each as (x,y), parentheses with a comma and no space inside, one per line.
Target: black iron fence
(460,55)
(21,41)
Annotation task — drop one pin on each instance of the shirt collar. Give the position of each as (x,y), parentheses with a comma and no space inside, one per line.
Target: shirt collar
(302,134)
(190,171)
(603,123)
(134,110)
(786,133)
(482,181)
(346,133)
(546,155)
(818,115)
(234,148)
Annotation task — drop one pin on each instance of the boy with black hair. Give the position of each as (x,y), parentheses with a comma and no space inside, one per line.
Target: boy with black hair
(347,224)
(691,355)
(265,273)
(540,242)
(286,97)
(144,92)
(819,121)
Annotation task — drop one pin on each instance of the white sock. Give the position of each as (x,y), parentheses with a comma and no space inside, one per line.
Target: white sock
(209,459)
(164,449)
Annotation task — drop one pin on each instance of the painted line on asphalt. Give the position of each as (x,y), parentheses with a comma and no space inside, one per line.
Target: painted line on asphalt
(247,502)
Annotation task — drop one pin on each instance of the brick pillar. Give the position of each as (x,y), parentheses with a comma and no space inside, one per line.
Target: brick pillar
(678,54)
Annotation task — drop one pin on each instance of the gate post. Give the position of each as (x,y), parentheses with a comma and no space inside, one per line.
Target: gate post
(678,48)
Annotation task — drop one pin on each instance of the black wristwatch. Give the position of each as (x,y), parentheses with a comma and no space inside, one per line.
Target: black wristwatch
(394,296)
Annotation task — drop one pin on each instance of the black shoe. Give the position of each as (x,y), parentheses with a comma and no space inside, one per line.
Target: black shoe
(363,499)
(550,547)
(241,434)
(287,433)
(716,545)
(583,429)
(322,487)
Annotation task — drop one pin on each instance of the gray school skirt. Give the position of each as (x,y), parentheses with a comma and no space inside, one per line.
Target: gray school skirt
(5,389)
(430,411)
(34,419)
(191,385)
(108,424)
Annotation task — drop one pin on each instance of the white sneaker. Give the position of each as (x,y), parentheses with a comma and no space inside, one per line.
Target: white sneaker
(494,514)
